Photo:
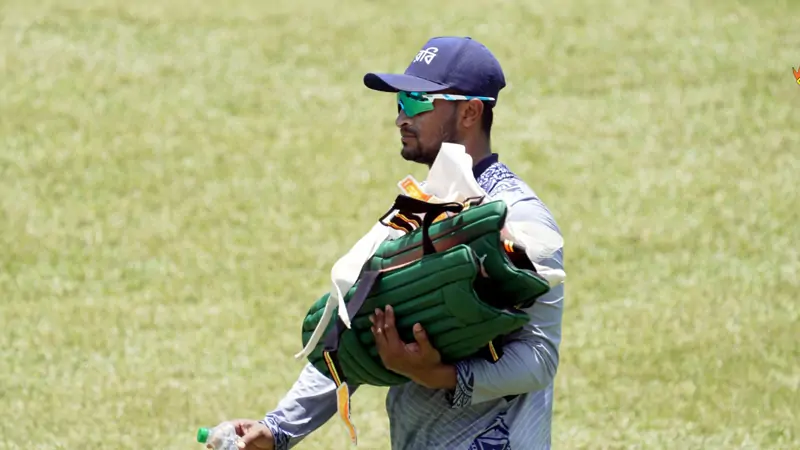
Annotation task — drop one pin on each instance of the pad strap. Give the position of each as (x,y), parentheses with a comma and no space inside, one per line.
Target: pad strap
(331,349)
(493,351)
(409,205)
(366,282)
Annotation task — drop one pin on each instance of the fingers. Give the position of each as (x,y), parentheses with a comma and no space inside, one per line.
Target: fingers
(377,328)
(256,437)
(384,329)
(386,334)
(242,425)
(392,337)
(249,437)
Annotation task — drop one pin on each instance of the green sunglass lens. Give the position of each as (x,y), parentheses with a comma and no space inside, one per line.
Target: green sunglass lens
(413,104)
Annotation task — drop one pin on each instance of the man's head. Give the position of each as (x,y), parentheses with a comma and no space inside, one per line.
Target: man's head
(463,80)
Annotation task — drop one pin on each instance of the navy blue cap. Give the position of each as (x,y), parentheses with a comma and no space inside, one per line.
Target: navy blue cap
(447,62)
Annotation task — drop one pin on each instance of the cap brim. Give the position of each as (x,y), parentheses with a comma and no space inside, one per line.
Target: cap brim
(394,82)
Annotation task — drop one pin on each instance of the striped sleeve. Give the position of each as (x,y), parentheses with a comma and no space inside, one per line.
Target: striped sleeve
(281,438)
(308,405)
(462,395)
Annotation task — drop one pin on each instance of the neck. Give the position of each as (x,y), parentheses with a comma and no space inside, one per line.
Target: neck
(478,148)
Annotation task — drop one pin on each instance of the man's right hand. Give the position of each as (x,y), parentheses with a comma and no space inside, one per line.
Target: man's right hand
(253,435)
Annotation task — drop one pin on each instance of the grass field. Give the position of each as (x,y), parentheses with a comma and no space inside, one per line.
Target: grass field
(174,181)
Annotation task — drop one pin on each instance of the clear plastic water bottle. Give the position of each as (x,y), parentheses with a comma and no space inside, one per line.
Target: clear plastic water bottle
(221,437)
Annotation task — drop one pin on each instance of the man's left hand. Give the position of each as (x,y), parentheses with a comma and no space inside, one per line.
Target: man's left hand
(417,360)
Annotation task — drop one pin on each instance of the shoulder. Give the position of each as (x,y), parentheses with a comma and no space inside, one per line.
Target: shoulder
(501,183)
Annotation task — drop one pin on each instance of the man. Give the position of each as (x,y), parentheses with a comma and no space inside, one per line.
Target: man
(473,404)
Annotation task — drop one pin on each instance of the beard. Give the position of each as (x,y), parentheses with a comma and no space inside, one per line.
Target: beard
(426,152)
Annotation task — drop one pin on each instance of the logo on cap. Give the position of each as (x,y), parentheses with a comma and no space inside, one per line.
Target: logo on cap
(426,55)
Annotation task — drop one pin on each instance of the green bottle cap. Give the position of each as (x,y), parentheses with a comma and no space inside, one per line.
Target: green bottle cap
(202,435)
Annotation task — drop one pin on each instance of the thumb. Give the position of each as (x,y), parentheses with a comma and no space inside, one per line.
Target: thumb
(421,337)
(254,436)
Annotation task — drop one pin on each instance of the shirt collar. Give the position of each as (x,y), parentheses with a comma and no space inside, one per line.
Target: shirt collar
(478,169)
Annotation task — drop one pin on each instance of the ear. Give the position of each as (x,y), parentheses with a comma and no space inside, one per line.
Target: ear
(471,113)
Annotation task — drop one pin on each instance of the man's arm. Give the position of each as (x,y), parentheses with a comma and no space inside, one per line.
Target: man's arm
(308,405)
(530,358)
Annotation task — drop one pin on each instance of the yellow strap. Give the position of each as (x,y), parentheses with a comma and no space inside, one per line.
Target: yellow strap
(342,397)
(332,368)
(343,407)
(413,222)
(493,351)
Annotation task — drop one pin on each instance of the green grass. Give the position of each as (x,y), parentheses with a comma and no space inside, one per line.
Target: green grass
(172,196)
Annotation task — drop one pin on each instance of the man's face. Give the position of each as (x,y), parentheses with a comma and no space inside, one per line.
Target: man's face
(423,134)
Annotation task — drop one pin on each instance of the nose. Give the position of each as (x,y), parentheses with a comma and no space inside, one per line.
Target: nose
(402,118)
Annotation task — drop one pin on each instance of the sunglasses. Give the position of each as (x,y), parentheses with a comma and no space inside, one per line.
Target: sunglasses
(413,103)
